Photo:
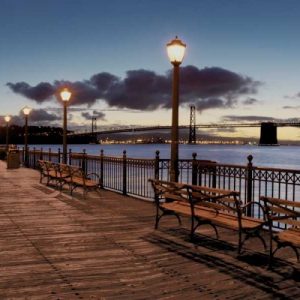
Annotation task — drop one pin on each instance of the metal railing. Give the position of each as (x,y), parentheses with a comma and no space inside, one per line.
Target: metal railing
(130,175)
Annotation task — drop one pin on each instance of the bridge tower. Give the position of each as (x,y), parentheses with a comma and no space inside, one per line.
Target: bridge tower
(192,132)
(268,134)
(94,124)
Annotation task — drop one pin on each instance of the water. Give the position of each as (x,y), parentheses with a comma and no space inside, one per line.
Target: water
(277,157)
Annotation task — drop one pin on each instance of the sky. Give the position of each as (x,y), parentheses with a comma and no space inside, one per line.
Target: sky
(241,63)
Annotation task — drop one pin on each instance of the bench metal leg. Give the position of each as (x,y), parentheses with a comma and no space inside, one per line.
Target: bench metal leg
(296,252)
(166,213)
(200,222)
(253,234)
(281,245)
(240,243)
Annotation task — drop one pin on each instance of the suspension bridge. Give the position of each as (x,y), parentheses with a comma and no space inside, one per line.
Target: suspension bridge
(268,130)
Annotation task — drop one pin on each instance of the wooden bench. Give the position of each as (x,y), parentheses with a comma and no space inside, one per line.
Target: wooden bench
(215,207)
(283,213)
(64,175)
(71,175)
(48,170)
(78,178)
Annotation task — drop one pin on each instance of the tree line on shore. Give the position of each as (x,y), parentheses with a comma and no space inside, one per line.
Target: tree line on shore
(36,135)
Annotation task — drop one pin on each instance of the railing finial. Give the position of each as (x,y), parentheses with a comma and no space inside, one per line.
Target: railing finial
(250,158)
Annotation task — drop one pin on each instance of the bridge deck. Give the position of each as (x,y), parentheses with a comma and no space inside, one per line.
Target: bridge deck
(105,247)
(168,127)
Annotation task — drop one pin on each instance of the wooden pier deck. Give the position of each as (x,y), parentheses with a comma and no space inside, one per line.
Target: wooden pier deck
(105,247)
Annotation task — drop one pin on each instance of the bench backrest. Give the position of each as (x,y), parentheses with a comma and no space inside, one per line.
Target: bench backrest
(64,170)
(47,166)
(76,172)
(42,165)
(282,211)
(216,199)
(169,191)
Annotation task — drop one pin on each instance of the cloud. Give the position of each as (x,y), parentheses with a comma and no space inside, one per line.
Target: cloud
(296,96)
(145,90)
(232,118)
(210,103)
(83,92)
(36,117)
(223,130)
(291,107)
(142,90)
(40,93)
(96,114)
(250,101)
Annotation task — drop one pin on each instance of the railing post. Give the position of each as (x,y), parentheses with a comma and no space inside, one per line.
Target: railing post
(34,157)
(49,154)
(84,162)
(27,156)
(101,168)
(124,173)
(214,176)
(41,154)
(70,156)
(23,156)
(58,154)
(156,165)
(249,184)
(194,169)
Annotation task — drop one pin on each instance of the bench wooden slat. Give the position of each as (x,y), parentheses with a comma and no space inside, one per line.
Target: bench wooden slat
(290,236)
(196,188)
(287,221)
(283,210)
(216,206)
(281,201)
(287,213)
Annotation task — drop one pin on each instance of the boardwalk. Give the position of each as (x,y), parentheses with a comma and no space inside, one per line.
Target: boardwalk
(105,247)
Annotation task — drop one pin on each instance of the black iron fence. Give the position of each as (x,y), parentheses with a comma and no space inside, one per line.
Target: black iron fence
(130,175)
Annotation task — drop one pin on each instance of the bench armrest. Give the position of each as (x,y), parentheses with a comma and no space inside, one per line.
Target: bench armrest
(94,174)
(245,206)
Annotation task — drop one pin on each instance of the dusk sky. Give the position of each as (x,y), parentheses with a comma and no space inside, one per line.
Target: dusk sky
(242,60)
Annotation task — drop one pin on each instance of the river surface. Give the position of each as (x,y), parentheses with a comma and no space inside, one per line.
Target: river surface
(263,156)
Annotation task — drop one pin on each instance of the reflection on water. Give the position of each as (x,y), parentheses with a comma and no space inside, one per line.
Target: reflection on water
(278,157)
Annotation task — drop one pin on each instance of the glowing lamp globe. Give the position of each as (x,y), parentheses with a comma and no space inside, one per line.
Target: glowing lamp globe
(26,110)
(65,95)
(7,118)
(176,49)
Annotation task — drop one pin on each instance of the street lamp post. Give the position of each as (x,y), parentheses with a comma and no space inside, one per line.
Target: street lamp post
(7,120)
(175,49)
(26,112)
(65,97)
